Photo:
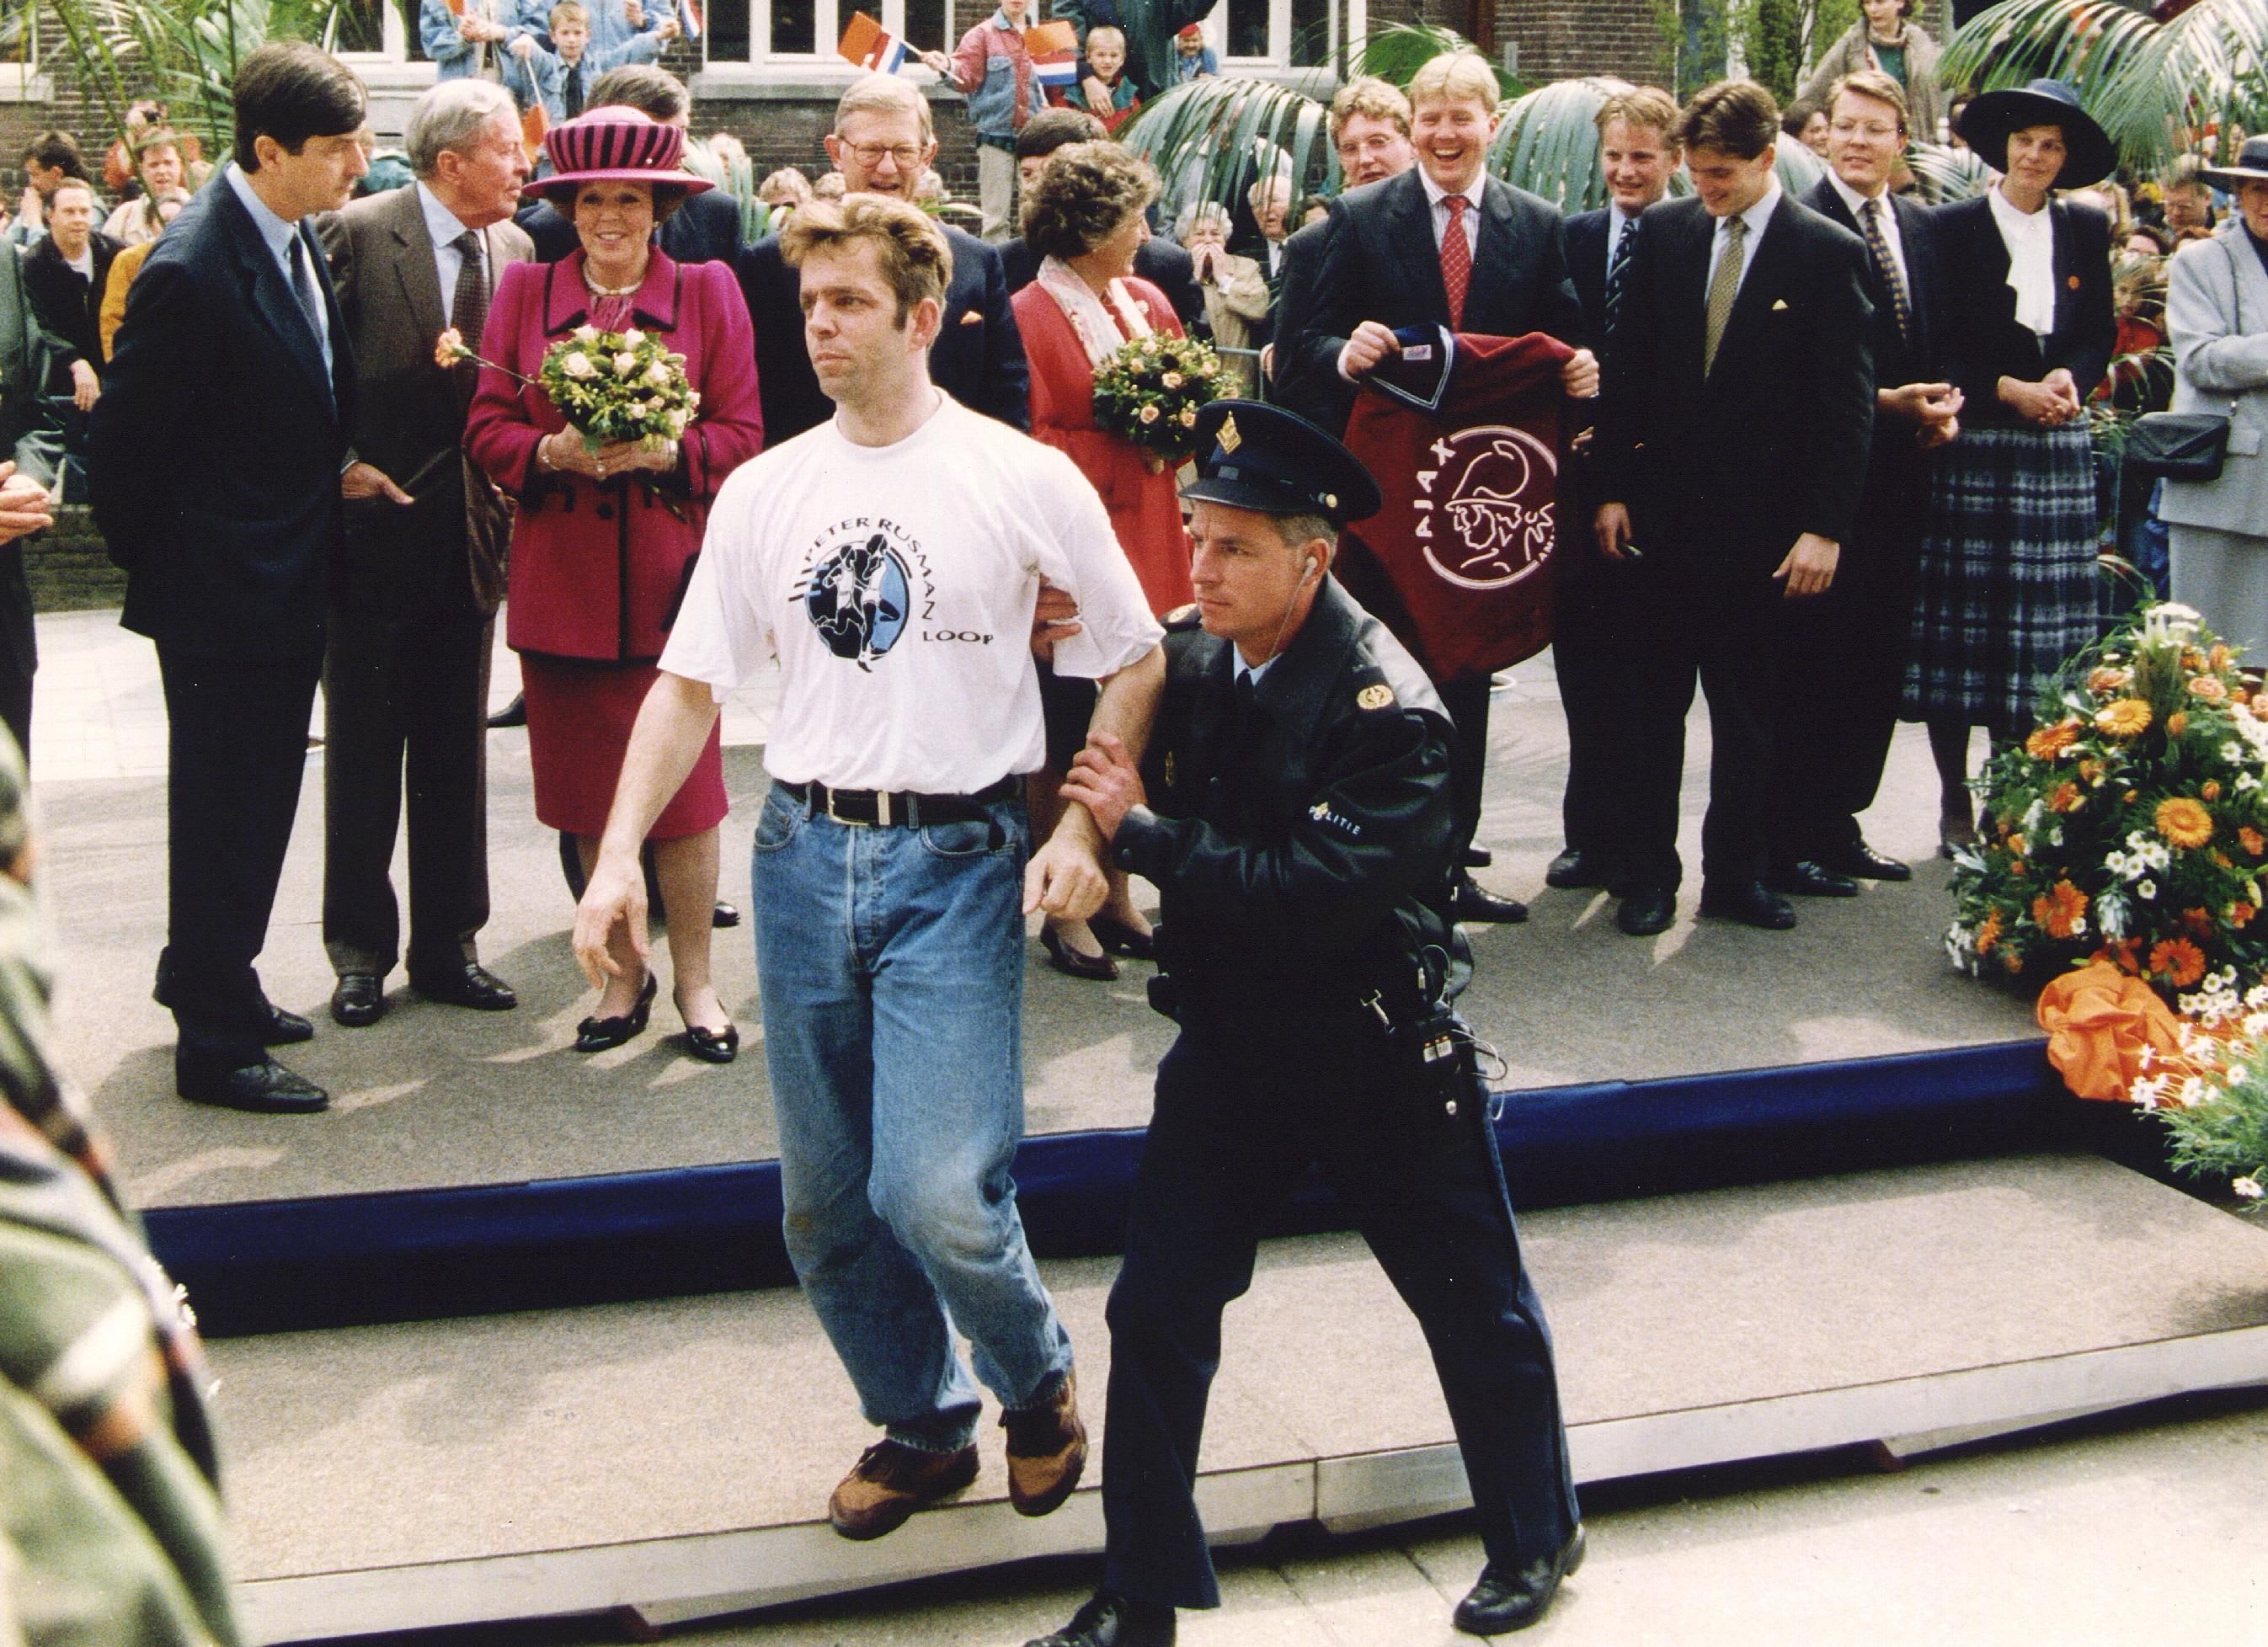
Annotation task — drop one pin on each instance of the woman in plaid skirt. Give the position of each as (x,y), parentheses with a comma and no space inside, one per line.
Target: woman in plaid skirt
(2007,563)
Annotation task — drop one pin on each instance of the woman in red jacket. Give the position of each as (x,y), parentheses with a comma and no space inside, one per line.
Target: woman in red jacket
(605,541)
(1085,218)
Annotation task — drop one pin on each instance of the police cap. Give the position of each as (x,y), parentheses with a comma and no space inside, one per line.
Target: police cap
(1251,455)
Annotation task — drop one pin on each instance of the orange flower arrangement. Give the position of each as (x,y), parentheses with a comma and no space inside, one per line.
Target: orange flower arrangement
(2050,742)
(2210,687)
(2060,911)
(2178,960)
(2197,921)
(2183,822)
(1989,933)
(2210,789)
(2124,717)
(2255,842)
(2103,680)
(2241,914)
(2091,771)
(2067,798)
(2177,723)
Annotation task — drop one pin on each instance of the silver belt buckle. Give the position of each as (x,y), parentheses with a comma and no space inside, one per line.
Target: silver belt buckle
(848,823)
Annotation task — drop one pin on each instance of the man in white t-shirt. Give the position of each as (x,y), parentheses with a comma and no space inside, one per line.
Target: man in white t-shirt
(891,561)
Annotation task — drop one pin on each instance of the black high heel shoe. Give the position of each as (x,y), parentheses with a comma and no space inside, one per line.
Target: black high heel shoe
(711,1045)
(1118,938)
(1094,969)
(596,1034)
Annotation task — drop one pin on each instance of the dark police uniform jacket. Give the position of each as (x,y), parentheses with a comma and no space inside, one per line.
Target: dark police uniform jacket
(1301,857)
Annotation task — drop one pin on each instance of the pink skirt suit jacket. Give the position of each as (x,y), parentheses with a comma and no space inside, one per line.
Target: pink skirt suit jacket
(598,568)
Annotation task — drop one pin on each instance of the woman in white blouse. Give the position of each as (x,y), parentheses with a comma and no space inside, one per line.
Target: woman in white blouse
(2008,587)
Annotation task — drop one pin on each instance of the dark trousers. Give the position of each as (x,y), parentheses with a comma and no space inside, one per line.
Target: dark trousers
(1591,656)
(409,693)
(1239,1119)
(1722,631)
(1466,700)
(236,749)
(1841,675)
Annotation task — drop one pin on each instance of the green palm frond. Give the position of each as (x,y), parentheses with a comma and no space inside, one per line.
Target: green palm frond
(1212,137)
(1946,174)
(1396,51)
(1548,143)
(2152,86)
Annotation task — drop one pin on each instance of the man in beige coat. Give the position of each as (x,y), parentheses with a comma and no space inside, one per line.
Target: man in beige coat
(406,678)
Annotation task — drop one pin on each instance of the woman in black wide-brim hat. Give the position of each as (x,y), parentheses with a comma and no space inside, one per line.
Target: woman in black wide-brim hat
(2008,585)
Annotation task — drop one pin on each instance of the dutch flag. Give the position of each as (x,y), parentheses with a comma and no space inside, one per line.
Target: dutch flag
(869,44)
(1054,48)
(691,20)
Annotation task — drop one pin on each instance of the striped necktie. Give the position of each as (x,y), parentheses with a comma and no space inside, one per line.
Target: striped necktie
(1618,274)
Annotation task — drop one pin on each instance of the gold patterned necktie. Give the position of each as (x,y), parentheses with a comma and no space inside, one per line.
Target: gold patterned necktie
(1724,286)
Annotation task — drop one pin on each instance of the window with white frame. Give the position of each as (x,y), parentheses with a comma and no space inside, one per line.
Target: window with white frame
(764,31)
(1274,34)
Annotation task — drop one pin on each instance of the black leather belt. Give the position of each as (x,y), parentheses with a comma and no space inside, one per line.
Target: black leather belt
(900,808)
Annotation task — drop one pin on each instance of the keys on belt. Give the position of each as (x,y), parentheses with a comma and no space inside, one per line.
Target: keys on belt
(887,809)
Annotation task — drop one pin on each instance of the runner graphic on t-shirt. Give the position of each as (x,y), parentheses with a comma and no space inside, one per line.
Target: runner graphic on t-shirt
(857,600)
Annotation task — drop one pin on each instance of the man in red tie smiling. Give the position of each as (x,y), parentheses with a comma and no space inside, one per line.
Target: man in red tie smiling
(1443,244)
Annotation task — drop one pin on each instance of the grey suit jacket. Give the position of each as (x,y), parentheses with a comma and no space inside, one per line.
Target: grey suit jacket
(2217,316)
(452,543)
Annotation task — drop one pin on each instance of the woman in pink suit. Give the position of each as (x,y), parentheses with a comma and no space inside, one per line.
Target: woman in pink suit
(1086,217)
(605,541)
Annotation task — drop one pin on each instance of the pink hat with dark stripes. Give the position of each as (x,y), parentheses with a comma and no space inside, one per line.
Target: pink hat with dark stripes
(615,144)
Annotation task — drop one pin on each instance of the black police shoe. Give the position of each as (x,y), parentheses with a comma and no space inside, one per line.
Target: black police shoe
(266,1088)
(460,983)
(280,1028)
(358,999)
(1506,1600)
(1575,867)
(1107,1620)
(1472,902)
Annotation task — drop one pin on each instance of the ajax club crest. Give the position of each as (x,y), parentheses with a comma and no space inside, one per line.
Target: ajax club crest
(1485,514)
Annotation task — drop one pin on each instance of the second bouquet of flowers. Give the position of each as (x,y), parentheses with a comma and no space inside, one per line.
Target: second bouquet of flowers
(608,386)
(1150,390)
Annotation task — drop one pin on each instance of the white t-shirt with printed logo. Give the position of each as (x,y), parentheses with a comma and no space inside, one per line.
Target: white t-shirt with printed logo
(895,586)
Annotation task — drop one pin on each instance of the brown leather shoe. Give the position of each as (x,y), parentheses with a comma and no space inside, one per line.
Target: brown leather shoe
(890,1481)
(1047,1449)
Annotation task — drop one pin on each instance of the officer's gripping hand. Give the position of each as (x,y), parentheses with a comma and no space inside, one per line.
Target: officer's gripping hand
(614,896)
(1104,779)
(1054,618)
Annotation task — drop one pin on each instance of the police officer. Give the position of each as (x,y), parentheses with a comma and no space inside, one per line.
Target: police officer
(1295,814)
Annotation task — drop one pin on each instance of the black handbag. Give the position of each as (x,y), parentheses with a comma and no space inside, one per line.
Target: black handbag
(2179,446)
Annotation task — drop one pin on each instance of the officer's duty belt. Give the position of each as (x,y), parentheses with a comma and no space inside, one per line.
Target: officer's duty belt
(900,808)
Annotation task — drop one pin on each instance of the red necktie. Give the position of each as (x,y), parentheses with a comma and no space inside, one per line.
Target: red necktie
(1456,259)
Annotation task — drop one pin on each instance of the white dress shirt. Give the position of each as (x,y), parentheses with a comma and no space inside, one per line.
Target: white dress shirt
(1755,216)
(1859,206)
(448,261)
(2029,236)
(1435,195)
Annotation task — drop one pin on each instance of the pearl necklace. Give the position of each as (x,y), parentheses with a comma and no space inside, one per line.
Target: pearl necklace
(596,290)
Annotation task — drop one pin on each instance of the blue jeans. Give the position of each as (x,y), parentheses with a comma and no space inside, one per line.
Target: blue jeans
(892,971)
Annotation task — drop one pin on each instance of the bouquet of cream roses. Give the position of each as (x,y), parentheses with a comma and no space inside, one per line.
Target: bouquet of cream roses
(608,386)
(1150,391)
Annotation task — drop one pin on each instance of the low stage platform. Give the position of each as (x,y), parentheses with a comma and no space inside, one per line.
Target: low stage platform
(434,1096)
(673,1457)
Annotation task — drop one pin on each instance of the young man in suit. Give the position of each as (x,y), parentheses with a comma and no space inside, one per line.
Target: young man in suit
(422,572)
(1388,259)
(1843,666)
(234,368)
(1639,152)
(882,141)
(1731,448)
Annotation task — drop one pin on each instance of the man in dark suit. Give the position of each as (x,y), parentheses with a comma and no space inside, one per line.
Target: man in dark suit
(1732,449)
(215,454)
(705,229)
(1639,152)
(1387,260)
(421,567)
(881,142)
(1844,657)
(1165,264)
